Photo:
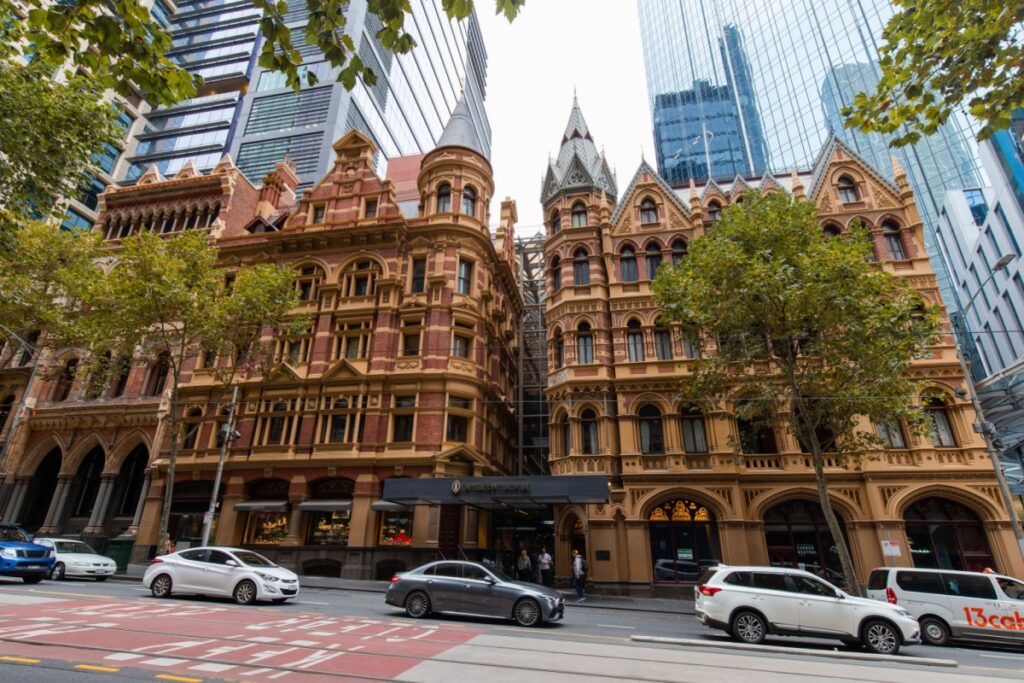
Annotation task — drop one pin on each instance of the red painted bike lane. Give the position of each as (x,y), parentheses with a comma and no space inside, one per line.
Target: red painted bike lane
(209,639)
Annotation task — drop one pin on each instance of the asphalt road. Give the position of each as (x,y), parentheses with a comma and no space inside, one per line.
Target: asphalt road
(171,627)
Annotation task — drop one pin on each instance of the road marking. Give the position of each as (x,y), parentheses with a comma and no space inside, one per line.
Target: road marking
(310,602)
(213,667)
(164,661)
(564,635)
(182,679)
(123,656)
(629,628)
(1013,657)
(91,667)
(19,660)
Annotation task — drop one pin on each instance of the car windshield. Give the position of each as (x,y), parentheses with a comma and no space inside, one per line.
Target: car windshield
(252,559)
(1013,589)
(73,547)
(18,535)
(500,575)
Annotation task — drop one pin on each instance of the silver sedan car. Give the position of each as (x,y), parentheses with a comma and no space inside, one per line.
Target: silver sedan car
(474,589)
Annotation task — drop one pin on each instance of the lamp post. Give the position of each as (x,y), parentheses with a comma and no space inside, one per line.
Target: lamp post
(984,427)
(24,394)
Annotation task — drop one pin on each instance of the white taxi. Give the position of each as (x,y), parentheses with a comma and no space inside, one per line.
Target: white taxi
(77,559)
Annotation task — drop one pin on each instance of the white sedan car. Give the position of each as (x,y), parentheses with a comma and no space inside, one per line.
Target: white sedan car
(77,559)
(222,572)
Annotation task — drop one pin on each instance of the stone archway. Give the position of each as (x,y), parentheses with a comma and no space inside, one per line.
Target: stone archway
(683,535)
(945,534)
(797,535)
(40,491)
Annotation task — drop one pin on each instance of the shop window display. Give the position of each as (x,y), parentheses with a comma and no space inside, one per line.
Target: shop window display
(266,528)
(329,528)
(396,528)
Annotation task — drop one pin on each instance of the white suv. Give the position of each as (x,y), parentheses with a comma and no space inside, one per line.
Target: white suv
(753,602)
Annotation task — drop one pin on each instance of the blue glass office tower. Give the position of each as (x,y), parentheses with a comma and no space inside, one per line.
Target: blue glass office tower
(249,112)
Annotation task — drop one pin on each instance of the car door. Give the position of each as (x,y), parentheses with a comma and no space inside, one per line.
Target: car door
(972,599)
(188,570)
(1010,603)
(218,577)
(823,609)
(921,593)
(483,594)
(444,586)
(776,598)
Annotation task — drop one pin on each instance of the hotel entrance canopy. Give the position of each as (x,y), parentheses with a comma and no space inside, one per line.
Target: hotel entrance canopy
(495,493)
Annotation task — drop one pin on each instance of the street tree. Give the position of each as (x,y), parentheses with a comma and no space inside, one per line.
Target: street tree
(939,56)
(122,45)
(167,299)
(801,331)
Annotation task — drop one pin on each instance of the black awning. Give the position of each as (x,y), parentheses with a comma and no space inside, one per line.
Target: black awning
(498,492)
(387,506)
(262,506)
(325,505)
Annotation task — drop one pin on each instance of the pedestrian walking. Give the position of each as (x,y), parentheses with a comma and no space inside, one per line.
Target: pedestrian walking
(544,566)
(579,575)
(524,567)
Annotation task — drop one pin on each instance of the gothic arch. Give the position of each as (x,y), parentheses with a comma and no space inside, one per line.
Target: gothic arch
(653,240)
(568,514)
(588,405)
(842,504)
(82,448)
(977,503)
(35,456)
(123,448)
(317,262)
(584,318)
(868,224)
(720,509)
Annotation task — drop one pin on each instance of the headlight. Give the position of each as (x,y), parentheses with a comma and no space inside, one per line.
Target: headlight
(552,599)
(267,577)
(9,553)
(51,553)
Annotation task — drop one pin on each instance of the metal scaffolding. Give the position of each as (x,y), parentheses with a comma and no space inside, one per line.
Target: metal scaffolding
(533,358)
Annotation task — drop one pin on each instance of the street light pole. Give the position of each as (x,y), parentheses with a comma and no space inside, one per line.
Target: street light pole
(229,435)
(983,426)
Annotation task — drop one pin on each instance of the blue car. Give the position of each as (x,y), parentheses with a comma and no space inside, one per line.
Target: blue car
(19,556)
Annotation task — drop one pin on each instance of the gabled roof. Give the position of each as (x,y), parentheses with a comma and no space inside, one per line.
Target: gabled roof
(461,131)
(578,164)
(669,193)
(825,156)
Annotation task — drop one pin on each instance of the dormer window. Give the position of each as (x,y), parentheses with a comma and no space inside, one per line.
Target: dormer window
(847,190)
(371,209)
(469,201)
(579,215)
(648,212)
(444,198)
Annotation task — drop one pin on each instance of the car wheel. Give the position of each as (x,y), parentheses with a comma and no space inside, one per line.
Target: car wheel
(881,637)
(31,579)
(526,612)
(161,586)
(57,574)
(417,604)
(101,579)
(245,592)
(749,627)
(934,631)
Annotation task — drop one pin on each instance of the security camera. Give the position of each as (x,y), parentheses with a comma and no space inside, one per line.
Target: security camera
(960,393)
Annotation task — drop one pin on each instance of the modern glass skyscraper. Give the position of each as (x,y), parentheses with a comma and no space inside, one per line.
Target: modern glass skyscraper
(251,113)
(788,71)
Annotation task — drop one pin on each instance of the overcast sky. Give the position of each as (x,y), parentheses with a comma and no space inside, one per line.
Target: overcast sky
(533,65)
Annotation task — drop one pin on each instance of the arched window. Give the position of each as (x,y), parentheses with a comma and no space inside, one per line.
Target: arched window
(554,222)
(891,434)
(755,438)
(559,342)
(678,252)
(662,340)
(444,198)
(584,344)
(581,267)
(64,381)
(692,424)
(940,430)
(714,211)
(684,540)
(944,534)
(797,535)
(192,425)
(120,378)
(360,279)
(648,211)
(566,436)
(556,274)
(653,260)
(588,427)
(579,215)
(307,282)
(635,341)
(893,241)
(830,230)
(469,201)
(627,265)
(158,374)
(652,438)
(6,406)
(847,190)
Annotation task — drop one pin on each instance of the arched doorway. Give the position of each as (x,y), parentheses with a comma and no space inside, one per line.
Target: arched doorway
(797,535)
(86,484)
(944,534)
(40,491)
(684,540)
(129,483)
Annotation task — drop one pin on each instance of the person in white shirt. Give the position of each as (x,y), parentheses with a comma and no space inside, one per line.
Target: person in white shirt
(544,565)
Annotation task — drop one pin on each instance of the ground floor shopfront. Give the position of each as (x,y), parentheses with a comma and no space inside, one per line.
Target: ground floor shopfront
(661,537)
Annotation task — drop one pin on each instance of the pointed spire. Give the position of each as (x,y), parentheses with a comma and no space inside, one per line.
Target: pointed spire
(797,185)
(899,175)
(695,206)
(460,131)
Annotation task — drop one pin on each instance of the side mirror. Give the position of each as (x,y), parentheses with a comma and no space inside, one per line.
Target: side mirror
(491,580)
(840,595)
(231,563)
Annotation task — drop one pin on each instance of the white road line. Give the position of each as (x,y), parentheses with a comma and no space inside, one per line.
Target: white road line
(123,656)
(1013,657)
(628,628)
(310,602)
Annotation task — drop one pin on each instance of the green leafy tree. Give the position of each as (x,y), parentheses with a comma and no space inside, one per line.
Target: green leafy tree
(169,296)
(810,334)
(120,43)
(939,55)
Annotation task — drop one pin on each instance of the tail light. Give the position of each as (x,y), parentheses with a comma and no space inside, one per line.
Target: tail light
(396,578)
(709,590)
(890,596)
(155,560)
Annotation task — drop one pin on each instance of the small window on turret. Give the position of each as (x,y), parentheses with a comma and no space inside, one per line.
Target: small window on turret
(579,215)
(371,208)
(318,214)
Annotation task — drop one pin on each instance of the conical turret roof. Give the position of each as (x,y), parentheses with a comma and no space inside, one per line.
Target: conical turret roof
(461,131)
(579,165)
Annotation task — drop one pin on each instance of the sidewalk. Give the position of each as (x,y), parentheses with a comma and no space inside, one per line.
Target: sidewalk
(619,602)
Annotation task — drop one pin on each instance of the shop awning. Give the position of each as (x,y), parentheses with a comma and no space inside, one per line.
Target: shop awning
(262,506)
(387,506)
(498,492)
(325,505)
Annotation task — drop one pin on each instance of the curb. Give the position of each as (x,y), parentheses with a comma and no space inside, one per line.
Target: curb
(828,654)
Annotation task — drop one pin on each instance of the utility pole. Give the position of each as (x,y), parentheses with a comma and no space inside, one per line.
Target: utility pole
(228,434)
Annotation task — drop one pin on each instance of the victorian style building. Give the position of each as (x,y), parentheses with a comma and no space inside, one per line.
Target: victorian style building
(690,487)
(406,370)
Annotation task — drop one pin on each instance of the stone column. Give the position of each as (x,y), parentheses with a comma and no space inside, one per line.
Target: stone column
(99,510)
(294,536)
(133,530)
(17,498)
(55,515)
(6,488)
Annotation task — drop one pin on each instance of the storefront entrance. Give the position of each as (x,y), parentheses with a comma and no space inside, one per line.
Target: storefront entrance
(943,534)
(798,536)
(684,540)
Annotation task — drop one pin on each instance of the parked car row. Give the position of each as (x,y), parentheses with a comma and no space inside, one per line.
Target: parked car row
(35,559)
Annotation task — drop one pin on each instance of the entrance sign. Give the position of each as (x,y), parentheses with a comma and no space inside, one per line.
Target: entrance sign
(891,549)
(497,492)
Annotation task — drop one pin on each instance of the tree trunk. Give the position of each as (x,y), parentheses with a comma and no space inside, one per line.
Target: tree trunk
(853,586)
(163,541)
